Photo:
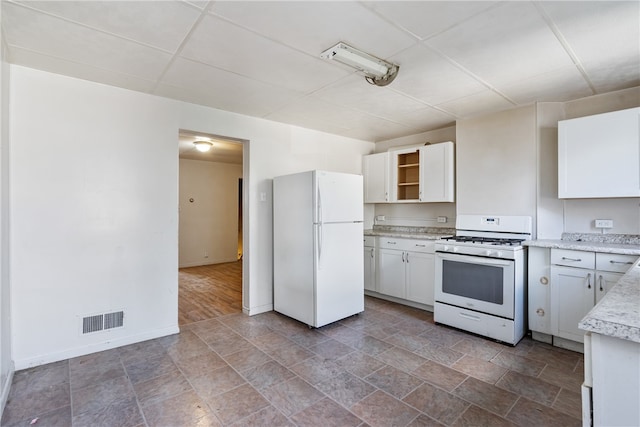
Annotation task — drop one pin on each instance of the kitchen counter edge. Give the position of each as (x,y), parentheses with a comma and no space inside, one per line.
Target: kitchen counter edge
(405,235)
(612,248)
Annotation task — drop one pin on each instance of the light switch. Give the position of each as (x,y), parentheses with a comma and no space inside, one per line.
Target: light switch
(263,196)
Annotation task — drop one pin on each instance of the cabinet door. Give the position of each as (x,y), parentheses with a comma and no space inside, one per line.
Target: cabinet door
(391,272)
(420,269)
(375,169)
(604,282)
(370,268)
(437,173)
(539,290)
(598,155)
(573,295)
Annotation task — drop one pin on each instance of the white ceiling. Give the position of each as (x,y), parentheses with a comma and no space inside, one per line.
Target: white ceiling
(457,59)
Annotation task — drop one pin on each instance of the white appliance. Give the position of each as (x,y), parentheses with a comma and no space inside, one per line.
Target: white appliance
(318,266)
(480,282)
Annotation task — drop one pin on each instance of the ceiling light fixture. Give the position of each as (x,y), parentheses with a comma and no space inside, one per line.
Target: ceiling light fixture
(376,71)
(202,145)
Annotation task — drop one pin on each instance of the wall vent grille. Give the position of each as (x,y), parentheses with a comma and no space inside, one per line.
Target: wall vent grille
(101,322)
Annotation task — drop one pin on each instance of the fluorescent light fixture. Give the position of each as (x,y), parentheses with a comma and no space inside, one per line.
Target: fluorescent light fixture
(202,145)
(376,71)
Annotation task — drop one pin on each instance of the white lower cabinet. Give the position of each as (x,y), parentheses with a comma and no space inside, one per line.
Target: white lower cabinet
(579,280)
(539,290)
(406,269)
(370,263)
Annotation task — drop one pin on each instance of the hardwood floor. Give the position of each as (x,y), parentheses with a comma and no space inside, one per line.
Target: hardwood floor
(209,291)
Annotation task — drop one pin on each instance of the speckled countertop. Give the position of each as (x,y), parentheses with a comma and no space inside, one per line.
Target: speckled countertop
(618,313)
(625,244)
(424,233)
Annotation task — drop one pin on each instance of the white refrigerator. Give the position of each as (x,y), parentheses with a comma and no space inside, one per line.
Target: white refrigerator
(318,270)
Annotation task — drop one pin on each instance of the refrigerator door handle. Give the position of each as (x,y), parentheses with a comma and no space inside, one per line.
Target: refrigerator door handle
(319,244)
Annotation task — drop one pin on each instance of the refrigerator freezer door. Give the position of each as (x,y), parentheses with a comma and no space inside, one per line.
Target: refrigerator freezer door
(338,197)
(339,284)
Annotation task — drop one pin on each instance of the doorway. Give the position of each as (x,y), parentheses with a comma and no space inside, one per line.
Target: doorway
(210,227)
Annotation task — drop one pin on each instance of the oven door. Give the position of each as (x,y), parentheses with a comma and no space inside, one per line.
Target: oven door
(476,283)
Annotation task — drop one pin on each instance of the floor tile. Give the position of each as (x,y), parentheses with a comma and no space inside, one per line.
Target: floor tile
(370,345)
(270,341)
(424,421)
(401,359)
(554,356)
(439,375)
(317,369)
(436,403)
(215,382)
(123,413)
(525,412)
(230,345)
(189,345)
(478,417)
(380,409)
(236,404)
(308,338)
(290,355)
(161,388)
(146,369)
(94,368)
(480,369)
(440,354)
(38,402)
(267,374)
(359,364)
(486,396)
(39,378)
(246,359)
(325,413)
(394,381)
(140,351)
(570,403)
(186,409)
(60,417)
(444,337)
(478,348)
(331,349)
(97,396)
(346,389)
(563,377)
(529,387)
(407,341)
(379,330)
(198,365)
(292,396)
(514,362)
(267,417)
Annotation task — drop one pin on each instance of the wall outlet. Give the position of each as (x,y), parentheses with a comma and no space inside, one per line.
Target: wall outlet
(206,254)
(604,223)
(380,218)
(442,219)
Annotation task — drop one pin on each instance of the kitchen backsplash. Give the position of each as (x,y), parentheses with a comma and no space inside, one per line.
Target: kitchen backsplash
(414,230)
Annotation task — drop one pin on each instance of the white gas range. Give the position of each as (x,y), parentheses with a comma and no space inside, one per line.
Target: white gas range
(480,281)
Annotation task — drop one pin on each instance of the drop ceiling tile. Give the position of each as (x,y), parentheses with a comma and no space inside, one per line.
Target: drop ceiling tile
(227,46)
(426,119)
(428,18)
(354,92)
(429,77)
(507,43)
(201,84)
(484,102)
(162,24)
(605,36)
(314,26)
(37,32)
(81,71)
(556,86)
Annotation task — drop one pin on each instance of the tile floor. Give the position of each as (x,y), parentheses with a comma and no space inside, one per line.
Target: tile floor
(389,366)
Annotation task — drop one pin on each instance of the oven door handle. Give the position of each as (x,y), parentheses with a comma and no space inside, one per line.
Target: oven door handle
(474,259)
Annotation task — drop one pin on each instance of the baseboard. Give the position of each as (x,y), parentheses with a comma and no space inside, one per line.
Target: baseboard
(399,300)
(201,263)
(21,364)
(252,311)
(6,388)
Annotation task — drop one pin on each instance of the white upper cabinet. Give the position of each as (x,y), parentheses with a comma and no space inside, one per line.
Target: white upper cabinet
(375,169)
(599,156)
(423,174)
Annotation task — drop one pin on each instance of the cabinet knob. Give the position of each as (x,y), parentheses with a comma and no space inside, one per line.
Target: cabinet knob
(540,312)
(544,280)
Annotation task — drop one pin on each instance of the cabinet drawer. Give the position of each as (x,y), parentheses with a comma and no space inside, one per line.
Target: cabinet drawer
(369,240)
(572,258)
(614,262)
(412,245)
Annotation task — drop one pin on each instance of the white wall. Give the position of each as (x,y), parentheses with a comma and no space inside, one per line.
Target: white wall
(496,163)
(6,363)
(208,226)
(414,214)
(577,215)
(94,186)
